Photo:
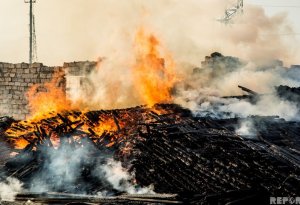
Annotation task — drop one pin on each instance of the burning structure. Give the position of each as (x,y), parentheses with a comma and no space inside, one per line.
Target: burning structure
(180,142)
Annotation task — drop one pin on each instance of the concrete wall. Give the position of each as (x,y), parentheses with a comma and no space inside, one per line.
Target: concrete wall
(16,79)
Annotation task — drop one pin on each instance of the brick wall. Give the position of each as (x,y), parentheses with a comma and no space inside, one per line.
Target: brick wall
(16,79)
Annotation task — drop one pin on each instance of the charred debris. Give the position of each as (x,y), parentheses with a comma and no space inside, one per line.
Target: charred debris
(196,160)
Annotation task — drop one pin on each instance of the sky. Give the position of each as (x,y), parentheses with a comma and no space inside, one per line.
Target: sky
(79,30)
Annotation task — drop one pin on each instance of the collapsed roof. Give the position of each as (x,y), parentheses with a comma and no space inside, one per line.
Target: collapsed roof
(199,159)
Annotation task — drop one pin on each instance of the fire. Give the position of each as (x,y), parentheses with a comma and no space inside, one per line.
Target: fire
(153,79)
(51,99)
(22,133)
(154,76)
(104,128)
(108,125)
(20,143)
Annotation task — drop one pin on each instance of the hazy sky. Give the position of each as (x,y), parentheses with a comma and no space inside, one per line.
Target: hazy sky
(73,30)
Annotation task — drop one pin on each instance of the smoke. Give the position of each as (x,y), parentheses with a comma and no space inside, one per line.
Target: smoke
(219,76)
(105,28)
(61,168)
(269,105)
(9,189)
(109,86)
(217,107)
(189,28)
(120,179)
(246,129)
(78,167)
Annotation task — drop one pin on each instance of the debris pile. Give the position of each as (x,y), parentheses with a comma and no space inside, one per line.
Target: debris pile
(199,159)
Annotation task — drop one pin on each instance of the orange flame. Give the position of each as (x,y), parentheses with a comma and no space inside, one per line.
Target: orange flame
(107,124)
(20,143)
(154,76)
(52,98)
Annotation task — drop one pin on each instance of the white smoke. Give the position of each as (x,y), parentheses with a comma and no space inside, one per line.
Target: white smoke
(62,170)
(61,167)
(246,129)
(217,107)
(269,105)
(9,189)
(202,91)
(120,178)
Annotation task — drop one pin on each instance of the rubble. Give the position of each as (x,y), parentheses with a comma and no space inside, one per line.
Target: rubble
(202,160)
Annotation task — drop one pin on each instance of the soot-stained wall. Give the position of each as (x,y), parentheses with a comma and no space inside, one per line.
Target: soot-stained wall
(16,79)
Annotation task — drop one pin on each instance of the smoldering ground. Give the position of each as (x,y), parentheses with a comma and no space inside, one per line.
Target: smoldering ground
(72,167)
(79,168)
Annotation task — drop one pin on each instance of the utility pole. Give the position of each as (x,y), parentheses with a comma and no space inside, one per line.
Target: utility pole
(32,37)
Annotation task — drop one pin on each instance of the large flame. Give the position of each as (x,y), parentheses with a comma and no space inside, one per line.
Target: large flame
(154,75)
(48,97)
(153,79)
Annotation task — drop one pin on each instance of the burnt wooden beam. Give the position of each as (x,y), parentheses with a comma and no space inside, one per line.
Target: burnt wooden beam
(248,90)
